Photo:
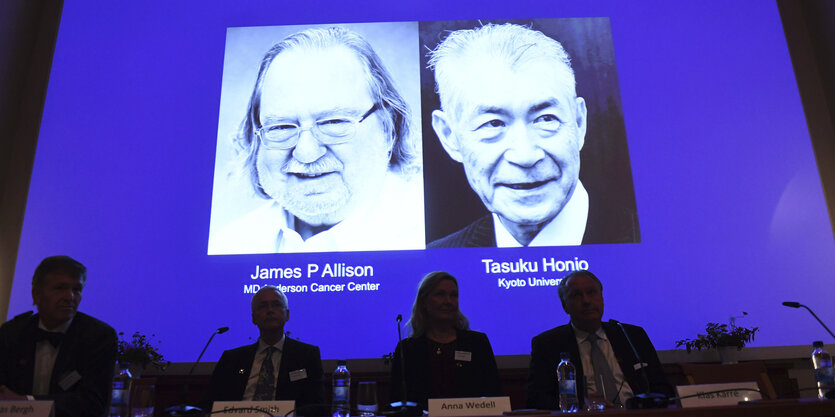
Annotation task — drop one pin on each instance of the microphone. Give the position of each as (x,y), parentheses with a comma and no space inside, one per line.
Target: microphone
(648,399)
(185,409)
(218,331)
(404,406)
(795,304)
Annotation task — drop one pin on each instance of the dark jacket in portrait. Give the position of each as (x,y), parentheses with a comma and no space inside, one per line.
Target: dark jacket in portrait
(231,373)
(83,372)
(604,225)
(476,377)
(541,388)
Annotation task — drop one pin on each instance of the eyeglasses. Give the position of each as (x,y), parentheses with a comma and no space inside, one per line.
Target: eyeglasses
(329,131)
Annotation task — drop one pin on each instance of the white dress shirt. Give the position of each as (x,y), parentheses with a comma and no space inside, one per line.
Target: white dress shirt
(588,369)
(45,355)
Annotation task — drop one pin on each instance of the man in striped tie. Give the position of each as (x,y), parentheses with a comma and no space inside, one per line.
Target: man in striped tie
(276,367)
(607,368)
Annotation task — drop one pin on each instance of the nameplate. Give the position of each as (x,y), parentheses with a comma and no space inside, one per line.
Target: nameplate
(704,395)
(483,406)
(26,408)
(253,408)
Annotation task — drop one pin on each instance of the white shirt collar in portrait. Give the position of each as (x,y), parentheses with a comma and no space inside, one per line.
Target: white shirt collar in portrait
(393,220)
(566,229)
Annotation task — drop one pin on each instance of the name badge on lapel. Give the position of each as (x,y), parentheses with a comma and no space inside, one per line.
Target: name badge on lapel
(463,355)
(298,375)
(68,380)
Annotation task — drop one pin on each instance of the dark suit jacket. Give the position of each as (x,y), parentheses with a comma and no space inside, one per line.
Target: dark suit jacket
(541,389)
(231,373)
(88,348)
(478,377)
(604,225)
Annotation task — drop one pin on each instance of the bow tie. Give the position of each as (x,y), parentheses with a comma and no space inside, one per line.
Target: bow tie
(54,338)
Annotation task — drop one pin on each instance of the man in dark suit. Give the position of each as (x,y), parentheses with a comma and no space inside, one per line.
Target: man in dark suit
(510,114)
(274,368)
(58,353)
(604,225)
(606,365)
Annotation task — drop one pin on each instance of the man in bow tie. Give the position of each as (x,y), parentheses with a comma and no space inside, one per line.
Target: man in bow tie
(58,353)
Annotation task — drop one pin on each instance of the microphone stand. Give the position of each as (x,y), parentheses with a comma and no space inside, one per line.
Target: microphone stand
(647,399)
(404,404)
(185,409)
(795,304)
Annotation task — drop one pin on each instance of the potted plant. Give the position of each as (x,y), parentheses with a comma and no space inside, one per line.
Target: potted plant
(139,353)
(726,339)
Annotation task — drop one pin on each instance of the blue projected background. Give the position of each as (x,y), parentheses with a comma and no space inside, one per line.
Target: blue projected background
(732,215)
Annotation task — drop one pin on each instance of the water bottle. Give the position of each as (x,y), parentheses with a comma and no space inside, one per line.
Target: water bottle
(120,396)
(341,390)
(822,364)
(567,383)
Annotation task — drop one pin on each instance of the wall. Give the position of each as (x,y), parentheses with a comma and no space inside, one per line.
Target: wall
(28,29)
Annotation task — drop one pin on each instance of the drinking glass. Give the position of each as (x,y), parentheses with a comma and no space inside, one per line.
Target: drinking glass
(367,398)
(142,400)
(596,401)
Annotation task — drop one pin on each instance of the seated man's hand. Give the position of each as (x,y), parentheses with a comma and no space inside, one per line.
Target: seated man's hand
(8,395)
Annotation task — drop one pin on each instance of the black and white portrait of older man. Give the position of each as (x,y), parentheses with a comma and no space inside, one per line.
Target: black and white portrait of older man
(513,114)
(325,141)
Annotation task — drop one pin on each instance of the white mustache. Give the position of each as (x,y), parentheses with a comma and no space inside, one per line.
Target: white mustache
(322,165)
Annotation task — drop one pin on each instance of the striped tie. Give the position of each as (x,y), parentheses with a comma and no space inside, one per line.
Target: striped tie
(265,388)
(602,371)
